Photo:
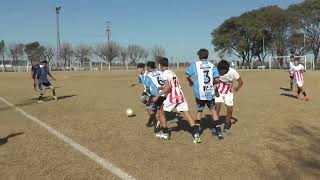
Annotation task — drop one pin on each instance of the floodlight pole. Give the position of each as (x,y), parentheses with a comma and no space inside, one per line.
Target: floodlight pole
(108,30)
(58,8)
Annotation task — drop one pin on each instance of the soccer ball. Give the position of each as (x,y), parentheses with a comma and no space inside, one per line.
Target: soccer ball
(129,112)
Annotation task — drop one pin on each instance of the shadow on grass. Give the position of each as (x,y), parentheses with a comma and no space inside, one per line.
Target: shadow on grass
(288,95)
(6,139)
(285,89)
(49,98)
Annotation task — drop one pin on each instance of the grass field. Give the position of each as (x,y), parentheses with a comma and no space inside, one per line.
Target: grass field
(276,136)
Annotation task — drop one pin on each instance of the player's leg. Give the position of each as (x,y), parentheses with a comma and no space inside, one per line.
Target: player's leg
(291,82)
(41,91)
(304,93)
(229,104)
(151,109)
(215,117)
(200,106)
(163,129)
(144,98)
(195,130)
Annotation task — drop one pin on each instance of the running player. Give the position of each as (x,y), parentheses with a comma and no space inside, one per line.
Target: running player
(291,75)
(175,99)
(298,70)
(43,82)
(205,74)
(227,77)
(153,83)
(144,97)
(34,70)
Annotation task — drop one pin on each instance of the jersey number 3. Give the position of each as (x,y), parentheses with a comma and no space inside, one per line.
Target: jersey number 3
(207,79)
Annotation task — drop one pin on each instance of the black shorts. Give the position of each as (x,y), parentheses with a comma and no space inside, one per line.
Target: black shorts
(202,103)
(47,84)
(291,77)
(155,105)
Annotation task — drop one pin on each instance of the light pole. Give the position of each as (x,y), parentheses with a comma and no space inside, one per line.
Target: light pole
(108,30)
(58,8)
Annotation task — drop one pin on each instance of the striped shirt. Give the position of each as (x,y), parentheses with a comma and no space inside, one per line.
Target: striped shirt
(298,72)
(226,81)
(175,95)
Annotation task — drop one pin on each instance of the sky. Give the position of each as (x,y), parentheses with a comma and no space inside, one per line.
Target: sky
(182,27)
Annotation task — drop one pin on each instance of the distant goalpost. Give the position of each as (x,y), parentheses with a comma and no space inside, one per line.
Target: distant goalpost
(273,62)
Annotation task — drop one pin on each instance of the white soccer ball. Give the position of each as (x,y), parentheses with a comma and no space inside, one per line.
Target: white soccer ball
(129,112)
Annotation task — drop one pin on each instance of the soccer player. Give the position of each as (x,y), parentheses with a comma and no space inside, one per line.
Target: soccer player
(153,83)
(144,97)
(298,70)
(34,70)
(175,99)
(291,75)
(205,74)
(227,77)
(43,82)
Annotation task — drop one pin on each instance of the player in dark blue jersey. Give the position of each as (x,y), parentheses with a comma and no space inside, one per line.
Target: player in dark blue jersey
(43,82)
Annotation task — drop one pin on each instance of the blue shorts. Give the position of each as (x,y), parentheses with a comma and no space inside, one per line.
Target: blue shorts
(202,103)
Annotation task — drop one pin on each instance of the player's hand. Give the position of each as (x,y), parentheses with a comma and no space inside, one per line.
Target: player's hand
(154,99)
(190,83)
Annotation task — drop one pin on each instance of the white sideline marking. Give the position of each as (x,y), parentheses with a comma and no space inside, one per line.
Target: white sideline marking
(103,162)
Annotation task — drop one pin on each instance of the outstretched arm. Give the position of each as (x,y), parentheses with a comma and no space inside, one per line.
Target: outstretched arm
(239,85)
(51,76)
(190,81)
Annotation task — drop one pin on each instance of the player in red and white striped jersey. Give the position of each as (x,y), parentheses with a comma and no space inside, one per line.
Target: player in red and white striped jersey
(175,99)
(298,70)
(227,77)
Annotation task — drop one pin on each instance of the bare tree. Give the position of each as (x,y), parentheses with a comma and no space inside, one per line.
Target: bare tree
(34,51)
(16,51)
(83,53)
(123,55)
(135,53)
(107,52)
(145,54)
(48,53)
(2,53)
(66,53)
(158,51)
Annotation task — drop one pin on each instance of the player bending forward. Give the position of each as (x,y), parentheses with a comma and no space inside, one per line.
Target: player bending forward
(174,99)
(153,83)
(227,77)
(141,78)
(298,70)
(43,82)
(205,74)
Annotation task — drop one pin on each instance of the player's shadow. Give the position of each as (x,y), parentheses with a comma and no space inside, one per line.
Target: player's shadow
(49,98)
(285,89)
(288,95)
(6,139)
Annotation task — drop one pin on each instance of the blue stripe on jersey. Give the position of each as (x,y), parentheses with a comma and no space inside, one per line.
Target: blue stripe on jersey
(192,71)
(150,84)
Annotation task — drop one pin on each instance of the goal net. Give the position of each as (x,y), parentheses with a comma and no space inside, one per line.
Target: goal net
(282,62)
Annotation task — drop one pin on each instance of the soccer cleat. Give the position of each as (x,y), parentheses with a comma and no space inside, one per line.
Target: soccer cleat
(55,98)
(163,136)
(197,139)
(149,124)
(40,101)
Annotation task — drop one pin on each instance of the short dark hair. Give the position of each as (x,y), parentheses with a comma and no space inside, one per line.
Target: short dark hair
(141,65)
(223,65)
(296,59)
(292,56)
(151,64)
(203,53)
(163,61)
(44,61)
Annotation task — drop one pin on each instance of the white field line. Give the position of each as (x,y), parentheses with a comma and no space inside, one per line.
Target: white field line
(85,151)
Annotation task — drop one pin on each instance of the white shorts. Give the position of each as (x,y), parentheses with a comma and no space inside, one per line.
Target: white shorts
(299,83)
(225,98)
(168,106)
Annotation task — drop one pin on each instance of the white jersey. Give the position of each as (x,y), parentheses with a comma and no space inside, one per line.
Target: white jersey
(226,81)
(141,79)
(175,94)
(297,72)
(205,79)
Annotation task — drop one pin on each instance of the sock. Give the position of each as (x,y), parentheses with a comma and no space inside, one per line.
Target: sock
(40,97)
(304,93)
(217,128)
(195,130)
(197,122)
(54,92)
(299,91)
(164,129)
(291,85)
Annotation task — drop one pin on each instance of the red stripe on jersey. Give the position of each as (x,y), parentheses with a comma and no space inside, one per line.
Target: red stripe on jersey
(298,76)
(224,88)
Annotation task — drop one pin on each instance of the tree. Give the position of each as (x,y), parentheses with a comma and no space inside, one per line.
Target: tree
(66,53)
(158,51)
(48,53)
(145,54)
(35,52)
(307,19)
(2,53)
(83,53)
(16,51)
(107,52)
(296,44)
(135,53)
(123,55)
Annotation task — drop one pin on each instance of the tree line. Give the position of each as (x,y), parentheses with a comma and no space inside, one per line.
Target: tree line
(271,31)
(83,53)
